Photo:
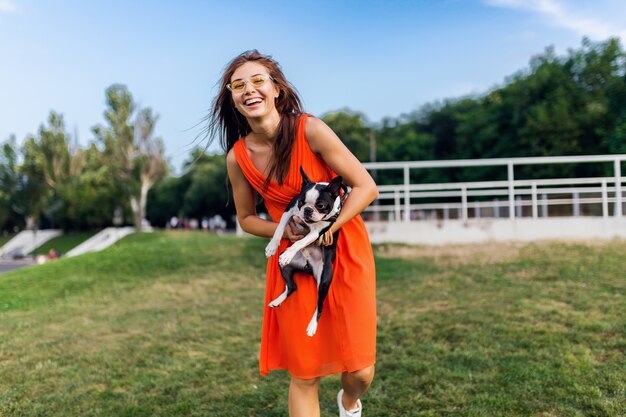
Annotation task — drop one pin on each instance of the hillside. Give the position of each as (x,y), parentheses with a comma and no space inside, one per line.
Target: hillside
(168,324)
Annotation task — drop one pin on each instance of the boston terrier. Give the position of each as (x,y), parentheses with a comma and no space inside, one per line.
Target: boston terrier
(317,206)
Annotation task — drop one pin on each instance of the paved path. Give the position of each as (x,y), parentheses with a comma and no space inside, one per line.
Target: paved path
(8,265)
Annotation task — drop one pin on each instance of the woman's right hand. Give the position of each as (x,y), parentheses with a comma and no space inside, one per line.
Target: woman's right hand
(295,230)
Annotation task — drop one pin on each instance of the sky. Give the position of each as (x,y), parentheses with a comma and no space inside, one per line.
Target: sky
(381,58)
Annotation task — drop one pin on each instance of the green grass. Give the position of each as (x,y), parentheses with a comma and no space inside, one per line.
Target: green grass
(168,324)
(5,239)
(63,243)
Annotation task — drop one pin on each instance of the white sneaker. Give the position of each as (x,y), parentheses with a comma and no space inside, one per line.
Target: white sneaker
(345,413)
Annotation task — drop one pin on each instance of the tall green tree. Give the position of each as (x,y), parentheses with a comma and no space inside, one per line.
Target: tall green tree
(33,194)
(149,165)
(47,156)
(200,192)
(93,194)
(134,157)
(49,151)
(9,179)
(207,194)
(559,105)
(352,129)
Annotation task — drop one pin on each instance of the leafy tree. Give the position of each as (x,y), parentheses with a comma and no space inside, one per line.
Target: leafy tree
(78,190)
(200,192)
(133,155)
(9,179)
(164,200)
(49,150)
(32,193)
(47,156)
(570,105)
(351,127)
(207,194)
(149,163)
(93,194)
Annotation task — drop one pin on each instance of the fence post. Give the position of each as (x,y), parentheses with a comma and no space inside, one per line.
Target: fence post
(576,203)
(464,202)
(534,197)
(396,206)
(496,208)
(511,191)
(605,200)
(544,205)
(617,212)
(407,195)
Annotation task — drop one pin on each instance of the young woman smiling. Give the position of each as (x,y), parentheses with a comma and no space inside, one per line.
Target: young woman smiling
(266,135)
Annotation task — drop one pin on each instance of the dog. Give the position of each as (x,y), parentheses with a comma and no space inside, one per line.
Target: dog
(317,206)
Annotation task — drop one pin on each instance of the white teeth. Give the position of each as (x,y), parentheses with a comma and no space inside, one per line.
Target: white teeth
(252,101)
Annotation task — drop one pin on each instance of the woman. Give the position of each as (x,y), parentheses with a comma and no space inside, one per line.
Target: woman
(267,137)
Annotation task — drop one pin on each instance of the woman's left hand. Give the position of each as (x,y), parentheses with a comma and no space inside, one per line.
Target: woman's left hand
(326,239)
(295,230)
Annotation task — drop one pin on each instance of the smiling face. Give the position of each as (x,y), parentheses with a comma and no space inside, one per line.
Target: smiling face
(254,102)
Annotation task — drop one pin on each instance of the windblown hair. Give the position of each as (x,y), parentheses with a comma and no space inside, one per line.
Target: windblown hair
(229,125)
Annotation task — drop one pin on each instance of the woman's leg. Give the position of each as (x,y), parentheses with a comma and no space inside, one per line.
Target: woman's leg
(354,385)
(303,397)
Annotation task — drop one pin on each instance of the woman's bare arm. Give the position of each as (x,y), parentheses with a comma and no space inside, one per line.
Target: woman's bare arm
(324,142)
(243,194)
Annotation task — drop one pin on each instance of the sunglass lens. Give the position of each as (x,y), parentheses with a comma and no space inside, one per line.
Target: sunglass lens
(237,85)
(257,81)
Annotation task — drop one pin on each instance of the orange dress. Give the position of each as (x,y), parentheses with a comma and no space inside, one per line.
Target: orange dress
(346,333)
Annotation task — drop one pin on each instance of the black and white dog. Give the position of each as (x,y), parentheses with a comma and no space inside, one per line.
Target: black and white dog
(317,206)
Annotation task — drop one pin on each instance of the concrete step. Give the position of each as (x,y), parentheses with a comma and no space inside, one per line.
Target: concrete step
(101,240)
(27,241)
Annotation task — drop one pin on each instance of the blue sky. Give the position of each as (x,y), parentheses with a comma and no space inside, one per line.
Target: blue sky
(382,58)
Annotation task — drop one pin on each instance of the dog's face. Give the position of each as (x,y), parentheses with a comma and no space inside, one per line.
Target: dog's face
(319,201)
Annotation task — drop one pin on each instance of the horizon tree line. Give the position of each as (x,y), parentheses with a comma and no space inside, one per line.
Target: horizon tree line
(559,105)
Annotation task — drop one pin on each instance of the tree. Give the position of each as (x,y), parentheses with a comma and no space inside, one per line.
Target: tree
(132,153)
(149,163)
(9,178)
(92,193)
(164,200)
(31,193)
(47,156)
(207,194)
(352,130)
(49,151)
(200,192)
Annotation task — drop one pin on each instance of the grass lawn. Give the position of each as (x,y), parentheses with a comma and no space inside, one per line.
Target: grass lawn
(5,239)
(63,243)
(168,324)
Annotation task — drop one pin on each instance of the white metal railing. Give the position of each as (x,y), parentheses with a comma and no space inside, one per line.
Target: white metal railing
(537,194)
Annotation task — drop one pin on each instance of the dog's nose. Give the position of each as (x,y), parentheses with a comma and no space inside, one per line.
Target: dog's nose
(308,211)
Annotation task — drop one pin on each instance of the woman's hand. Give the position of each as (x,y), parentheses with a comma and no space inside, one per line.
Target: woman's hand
(295,229)
(325,143)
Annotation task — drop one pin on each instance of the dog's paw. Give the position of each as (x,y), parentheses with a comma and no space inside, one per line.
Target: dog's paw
(285,258)
(278,300)
(312,328)
(271,248)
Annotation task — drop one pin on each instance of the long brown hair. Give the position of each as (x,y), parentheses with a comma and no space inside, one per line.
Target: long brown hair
(229,125)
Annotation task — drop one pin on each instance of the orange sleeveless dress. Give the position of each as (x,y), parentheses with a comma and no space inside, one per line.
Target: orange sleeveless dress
(346,333)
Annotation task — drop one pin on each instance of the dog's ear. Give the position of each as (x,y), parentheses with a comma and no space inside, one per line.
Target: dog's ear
(334,186)
(305,178)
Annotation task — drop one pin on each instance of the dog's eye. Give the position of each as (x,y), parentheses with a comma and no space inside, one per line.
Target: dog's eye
(320,206)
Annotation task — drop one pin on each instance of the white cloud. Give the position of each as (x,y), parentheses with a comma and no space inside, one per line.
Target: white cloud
(566,15)
(7,6)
